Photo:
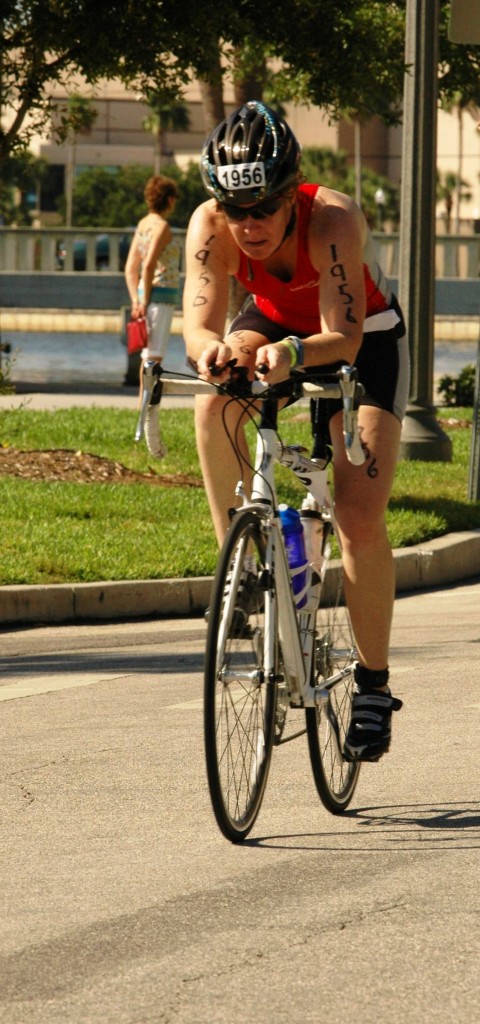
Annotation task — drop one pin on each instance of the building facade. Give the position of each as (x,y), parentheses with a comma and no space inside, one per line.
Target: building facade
(118,138)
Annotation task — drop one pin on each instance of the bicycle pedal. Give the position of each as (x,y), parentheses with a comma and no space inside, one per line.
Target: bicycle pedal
(299,448)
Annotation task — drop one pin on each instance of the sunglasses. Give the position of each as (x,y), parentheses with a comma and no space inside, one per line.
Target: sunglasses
(258,212)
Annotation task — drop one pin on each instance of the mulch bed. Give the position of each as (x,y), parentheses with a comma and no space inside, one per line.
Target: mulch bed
(81,467)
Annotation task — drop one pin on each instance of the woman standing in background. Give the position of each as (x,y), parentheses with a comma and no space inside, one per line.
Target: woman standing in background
(152,274)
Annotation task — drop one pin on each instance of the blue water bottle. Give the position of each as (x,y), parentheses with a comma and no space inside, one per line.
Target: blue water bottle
(295,544)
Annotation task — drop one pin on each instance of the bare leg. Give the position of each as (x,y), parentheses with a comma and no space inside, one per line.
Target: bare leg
(220,468)
(361,497)
(140,389)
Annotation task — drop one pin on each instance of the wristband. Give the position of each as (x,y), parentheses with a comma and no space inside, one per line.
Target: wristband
(287,343)
(295,344)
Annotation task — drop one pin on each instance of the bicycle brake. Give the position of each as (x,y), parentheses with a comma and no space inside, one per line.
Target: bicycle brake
(152,392)
(217,370)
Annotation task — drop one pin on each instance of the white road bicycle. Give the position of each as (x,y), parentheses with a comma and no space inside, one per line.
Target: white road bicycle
(278,658)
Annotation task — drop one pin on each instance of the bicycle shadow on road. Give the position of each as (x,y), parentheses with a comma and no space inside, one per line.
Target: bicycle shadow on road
(410,826)
(446,816)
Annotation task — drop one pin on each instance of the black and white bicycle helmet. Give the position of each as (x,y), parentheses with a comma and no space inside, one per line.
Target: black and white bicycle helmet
(250,155)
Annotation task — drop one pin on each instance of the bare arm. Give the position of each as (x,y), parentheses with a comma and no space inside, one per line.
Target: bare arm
(205,296)
(161,236)
(132,272)
(342,284)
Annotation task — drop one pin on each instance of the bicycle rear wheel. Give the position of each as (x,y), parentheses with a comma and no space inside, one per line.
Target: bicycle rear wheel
(239,698)
(328,723)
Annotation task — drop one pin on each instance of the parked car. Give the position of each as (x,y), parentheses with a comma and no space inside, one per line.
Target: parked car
(102,253)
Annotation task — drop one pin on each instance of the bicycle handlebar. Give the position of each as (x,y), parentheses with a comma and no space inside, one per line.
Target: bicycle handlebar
(342,385)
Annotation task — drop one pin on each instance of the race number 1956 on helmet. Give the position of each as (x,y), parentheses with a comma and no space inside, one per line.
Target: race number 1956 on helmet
(250,155)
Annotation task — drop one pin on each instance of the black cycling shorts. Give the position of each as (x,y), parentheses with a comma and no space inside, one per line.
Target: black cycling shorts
(382,361)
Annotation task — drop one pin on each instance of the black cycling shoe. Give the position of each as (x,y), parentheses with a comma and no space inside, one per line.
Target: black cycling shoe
(370,729)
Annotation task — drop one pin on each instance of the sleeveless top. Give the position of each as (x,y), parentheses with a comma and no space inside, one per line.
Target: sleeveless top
(166,276)
(295,304)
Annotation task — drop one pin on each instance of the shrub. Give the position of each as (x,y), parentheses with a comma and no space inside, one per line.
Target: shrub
(459,390)
(6,388)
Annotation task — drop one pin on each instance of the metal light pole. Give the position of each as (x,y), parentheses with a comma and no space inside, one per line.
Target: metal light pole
(422,437)
(380,204)
(465,28)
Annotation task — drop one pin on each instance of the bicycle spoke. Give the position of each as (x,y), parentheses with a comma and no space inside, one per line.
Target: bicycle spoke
(238,723)
(239,698)
(328,723)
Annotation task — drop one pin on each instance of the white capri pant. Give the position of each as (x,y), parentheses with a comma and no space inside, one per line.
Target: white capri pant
(159,321)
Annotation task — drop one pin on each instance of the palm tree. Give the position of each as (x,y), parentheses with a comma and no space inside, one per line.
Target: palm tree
(463,105)
(165,116)
(211,92)
(249,81)
(21,176)
(449,188)
(461,102)
(79,119)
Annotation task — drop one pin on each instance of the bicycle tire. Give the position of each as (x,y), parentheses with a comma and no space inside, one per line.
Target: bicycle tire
(239,701)
(327,724)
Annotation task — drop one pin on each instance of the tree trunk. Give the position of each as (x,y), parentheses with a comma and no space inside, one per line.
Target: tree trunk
(247,89)
(448,214)
(69,182)
(249,85)
(157,152)
(458,190)
(212,100)
(357,134)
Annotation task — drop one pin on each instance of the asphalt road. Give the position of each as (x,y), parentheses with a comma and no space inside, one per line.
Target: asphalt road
(122,903)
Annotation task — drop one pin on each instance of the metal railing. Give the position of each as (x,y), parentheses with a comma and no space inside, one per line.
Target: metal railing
(92,249)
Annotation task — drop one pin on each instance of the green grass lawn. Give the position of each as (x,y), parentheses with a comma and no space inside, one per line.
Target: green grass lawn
(78,532)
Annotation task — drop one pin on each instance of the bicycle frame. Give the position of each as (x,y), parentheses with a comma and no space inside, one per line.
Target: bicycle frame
(297,631)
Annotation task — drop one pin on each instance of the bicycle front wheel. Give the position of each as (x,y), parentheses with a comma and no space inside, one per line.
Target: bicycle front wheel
(239,694)
(327,724)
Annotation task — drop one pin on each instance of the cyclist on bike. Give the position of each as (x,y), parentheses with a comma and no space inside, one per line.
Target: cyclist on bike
(317,298)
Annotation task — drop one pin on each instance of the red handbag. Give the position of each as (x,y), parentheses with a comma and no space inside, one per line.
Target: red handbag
(137,336)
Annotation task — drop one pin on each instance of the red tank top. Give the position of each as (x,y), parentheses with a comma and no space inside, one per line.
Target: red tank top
(295,304)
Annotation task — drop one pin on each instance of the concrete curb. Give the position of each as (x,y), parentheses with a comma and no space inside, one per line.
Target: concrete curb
(77,602)
(445,560)
(448,559)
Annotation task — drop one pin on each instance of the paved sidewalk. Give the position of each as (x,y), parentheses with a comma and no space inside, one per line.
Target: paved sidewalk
(123,904)
(37,397)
